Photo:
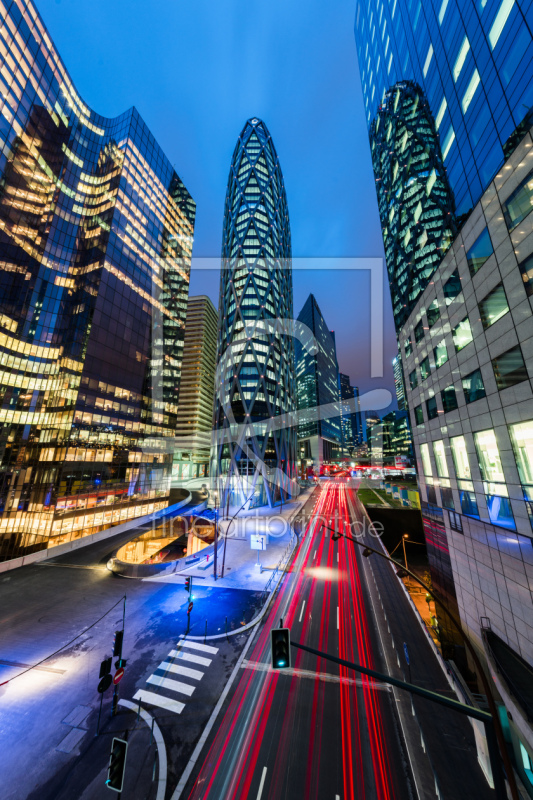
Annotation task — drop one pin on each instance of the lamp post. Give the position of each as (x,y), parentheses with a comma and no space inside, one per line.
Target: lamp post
(368,551)
(404,537)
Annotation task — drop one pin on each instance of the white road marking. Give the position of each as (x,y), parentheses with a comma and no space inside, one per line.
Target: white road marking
(259,666)
(197,646)
(314,555)
(263,776)
(302,611)
(161,749)
(179,670)
(169,683)
(154,699)
(337,617)
(190,657)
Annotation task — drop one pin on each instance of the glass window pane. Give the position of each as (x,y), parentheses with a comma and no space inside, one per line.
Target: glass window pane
(446,496)
(440,459)
(424,368)
(408,347)
(460,457)
(419,415)
(473,387)
(522,441)
(488,456)
(500,511)
(431,407)
(449,398)
(462,334)
(519,204)
(419,331)
(509,368)
(452,287)
(468,503)
(433,313)
(413,380)
(526,270)
(440,354)
(426,463)
(480,251)
(493,306)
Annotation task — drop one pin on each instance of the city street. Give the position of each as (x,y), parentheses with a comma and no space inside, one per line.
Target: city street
(318,730)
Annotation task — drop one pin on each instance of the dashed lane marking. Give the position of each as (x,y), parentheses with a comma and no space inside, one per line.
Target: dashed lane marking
(302,611)
(263,776)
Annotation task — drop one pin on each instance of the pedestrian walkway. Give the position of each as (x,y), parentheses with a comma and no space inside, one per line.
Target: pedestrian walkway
(184,664)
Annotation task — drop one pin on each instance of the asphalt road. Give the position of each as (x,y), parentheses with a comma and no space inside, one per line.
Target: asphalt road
(49,715)
(316,730)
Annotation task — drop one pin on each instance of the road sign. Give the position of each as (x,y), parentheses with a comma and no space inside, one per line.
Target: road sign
(119,674)
(105,683)
(406,653)
(258,541)
(189,609)
(105,667)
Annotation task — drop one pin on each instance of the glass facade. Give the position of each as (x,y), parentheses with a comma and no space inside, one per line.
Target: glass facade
(255,383)
(317,385)
(472,60)
(517,207)
(95,239)
(414,199)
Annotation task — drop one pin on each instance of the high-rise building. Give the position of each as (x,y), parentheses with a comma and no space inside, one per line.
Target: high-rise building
(399,384)
(95,240)
(472,59)
(351,420)
(415,204)
(254,455)
(470,395)
(358,420)
(194,424)
(397,439)
(319,435)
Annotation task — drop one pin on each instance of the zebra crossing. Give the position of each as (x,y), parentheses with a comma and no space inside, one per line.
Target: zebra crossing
(178,664)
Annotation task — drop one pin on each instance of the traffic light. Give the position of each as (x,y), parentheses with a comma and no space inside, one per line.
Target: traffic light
(117,643)
(117,765)
(188,582)
(280,640)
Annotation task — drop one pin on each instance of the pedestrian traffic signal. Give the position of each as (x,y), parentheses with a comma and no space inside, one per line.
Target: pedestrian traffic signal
(117,765)
(188,582)
(105,667)
(117,643)
(280,640)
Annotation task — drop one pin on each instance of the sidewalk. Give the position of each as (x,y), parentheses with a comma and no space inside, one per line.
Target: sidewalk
(241,570)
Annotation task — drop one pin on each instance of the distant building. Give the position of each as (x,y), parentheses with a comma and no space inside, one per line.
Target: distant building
(194,423)
(350,420)
(399,382)
(397,439)
(96,233)
(319,440)
(255,356)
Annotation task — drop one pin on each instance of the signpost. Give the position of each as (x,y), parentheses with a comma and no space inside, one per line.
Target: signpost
(258,541)
(105,683)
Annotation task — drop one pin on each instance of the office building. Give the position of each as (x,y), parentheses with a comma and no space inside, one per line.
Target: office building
(415,203)
(352,435)
(470,396)
(254,455)
(194,423)
(399,384)
(473,62)
(317,387)
(96,233)
(397,440)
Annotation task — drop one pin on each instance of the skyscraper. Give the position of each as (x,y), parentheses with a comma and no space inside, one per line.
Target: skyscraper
(95,241)
(194,423)
(319,436)
(255,444)
(472,59)
(351,420)
(415,203)
(399,384)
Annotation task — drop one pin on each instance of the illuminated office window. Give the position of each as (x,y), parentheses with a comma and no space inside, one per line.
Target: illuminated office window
(494,306)
(440,459)
(517,207)
(460,458)
(426,463)
(462,334)
(440,354)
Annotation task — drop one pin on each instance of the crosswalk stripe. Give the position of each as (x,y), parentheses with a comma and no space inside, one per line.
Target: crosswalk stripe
(179,670)
(169,683)
(197,646)
(190,657)
(154,699)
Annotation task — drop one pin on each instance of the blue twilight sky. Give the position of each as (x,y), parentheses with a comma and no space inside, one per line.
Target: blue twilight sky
(196,71)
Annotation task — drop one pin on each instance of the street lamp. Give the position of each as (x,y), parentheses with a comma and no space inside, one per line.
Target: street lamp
(404,537)
(368,551)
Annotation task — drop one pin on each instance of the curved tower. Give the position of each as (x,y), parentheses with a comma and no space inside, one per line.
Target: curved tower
(254,453)
(415,202)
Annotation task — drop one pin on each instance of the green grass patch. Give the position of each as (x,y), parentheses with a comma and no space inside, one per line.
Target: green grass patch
(368,496)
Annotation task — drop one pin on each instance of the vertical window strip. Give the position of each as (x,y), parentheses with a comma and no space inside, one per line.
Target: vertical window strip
(442,11)
(499,22)
(470,91)
(441,112)
(428,60)
(448,141)
(461,58)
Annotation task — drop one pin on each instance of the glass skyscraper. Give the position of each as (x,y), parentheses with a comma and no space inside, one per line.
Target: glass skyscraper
(254,451)
(95,240)
(473,61)
(317,385)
